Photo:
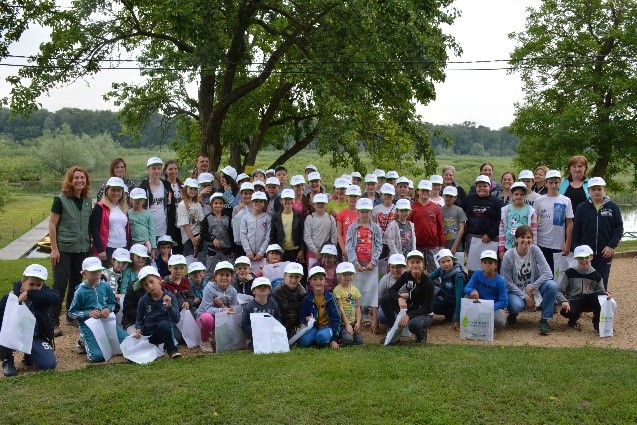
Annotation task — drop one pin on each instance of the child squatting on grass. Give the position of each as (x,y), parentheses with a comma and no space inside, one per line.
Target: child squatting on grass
(487,284)
(320,306)
(262,303)
(289,297)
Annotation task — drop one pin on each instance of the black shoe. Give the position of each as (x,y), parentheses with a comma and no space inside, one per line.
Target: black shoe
(574,324)
(421,339)
(512,318)
(544,327)
(8,368)
(596,325)
(26,360)
(174,354)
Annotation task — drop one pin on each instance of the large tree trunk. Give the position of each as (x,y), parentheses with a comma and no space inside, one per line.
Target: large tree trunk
(209,131)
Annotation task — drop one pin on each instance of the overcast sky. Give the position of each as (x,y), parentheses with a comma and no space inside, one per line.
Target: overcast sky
(484,97)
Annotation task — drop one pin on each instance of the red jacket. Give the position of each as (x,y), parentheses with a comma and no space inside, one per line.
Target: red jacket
(98,227)
(427,221)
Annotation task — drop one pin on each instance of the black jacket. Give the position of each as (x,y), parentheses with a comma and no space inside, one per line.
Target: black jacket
(421,294)
(134,293)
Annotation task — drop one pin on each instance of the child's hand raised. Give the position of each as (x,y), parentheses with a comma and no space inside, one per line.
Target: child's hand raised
(167,301)
(185,305)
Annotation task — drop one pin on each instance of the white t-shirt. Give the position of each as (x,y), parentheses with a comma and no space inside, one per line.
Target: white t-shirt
(191,216)
(552,212)
(117,221)
(158,211)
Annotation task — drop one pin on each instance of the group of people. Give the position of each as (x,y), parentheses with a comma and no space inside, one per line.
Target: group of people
(338,259)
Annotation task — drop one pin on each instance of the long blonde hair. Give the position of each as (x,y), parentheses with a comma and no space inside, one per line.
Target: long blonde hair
(123,205)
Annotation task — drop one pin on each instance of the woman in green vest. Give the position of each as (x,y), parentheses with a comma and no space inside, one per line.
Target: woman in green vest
(70,243)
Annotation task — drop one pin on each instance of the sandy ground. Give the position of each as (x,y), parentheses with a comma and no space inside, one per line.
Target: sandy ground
(525,332)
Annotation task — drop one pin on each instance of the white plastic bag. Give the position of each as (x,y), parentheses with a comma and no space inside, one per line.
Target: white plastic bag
(140,350)
(476,319)
(606,315)
(228,333)
(268,335)
(475,249)
(300,333)
(190,331)
(561,263)
(18,325)
(395,332)
(105,333)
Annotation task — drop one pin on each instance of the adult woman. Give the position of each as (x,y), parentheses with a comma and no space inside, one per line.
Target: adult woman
(70,242)
(507,181)
(109,225)
(487,169)
(526,273)
(117,169)
(539,180)
(449,179)
(575,185)
(171,175)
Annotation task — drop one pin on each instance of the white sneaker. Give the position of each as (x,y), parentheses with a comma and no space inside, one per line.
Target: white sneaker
(206,347)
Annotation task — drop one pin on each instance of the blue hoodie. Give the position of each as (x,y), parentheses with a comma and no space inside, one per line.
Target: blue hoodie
(598,228)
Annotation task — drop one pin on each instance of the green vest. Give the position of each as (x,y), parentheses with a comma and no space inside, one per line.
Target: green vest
(72,228)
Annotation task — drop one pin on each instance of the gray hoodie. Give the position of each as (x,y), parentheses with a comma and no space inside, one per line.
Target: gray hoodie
(535,272)
(575,283)
(212,291)
(318,231)
(255,233)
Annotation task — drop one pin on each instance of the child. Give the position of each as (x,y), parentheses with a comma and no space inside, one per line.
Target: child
(215,235)
(243,276)
(113,275)
(598,224)
(255,230)
(319,230)
(397,265)
(436,186)
(579,288)
(416,298)
(243,207)
(400,236)
(32,291)
(142,227)
(345,218)
(427,219)
(274,269)
(514,215)
(364,246)
(487,284)
(196,286)
(272,187)
(176,283)
(554,219)
(218,295)
(189,217)
(328,262)
(453,220)
(338,202)
(132,288)
(93,298)
(287,228)
(157,313)
(165,244)
(384,213)
(289,297)
(262,303)
(370,189)
(320,306)
(527,178)
(452,282)
(349,305)
(402,189)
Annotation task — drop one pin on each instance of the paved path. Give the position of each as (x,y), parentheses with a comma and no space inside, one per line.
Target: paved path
(21,246)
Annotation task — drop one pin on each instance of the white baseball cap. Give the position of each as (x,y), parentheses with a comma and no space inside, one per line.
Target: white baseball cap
(424,185)
(582,251)
(287,194)
(553,174)
(519,185)
(526,174)
(162,239)
(387,189)
(489,253)
(403,204)
(364,204)
(596,181)
(450,190)
(313,176)
(347,178)
(392,175)
(205,178)
(293,268)
(340,183)
(402,180)
(177,259)
(242,260)
(272,181)
(269,171)
(415,253)
(229,171)
(411,184)
(122,255)
(224,265)
(259,196)
(443,253)
(92,264)
(36,270)
(258,183)
(116,182)
(353,190)
(296,180)
(345,267)
(329,250)
(191,183)
(371,178)
(316,270)
(138,193)
(217,195)
(260,281)
(196,266)
(147,271)
(154,160)
(140,250)
(397,260)
(483,179)
(247,186)
(311,167)
(274,247)
(356,174)
(435,179)
(242,176)
(320,197)
(379,173)
(258,170)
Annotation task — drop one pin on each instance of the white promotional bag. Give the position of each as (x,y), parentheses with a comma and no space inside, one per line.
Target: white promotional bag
(18,325)
(268,335)
(141,351)
(190,331)
(228,333)
(606,315)
(476,319)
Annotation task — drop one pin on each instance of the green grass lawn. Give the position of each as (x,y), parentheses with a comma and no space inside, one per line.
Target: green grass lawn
(19,216)
(370,384)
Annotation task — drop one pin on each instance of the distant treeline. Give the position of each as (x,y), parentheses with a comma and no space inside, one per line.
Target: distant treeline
(84,121)
(469,138)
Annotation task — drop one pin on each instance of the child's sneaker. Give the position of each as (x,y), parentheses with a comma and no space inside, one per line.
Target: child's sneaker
(544,327)
(174,354)
(8,368)
(421,339)
(206,347)
(79,347)
(26,360)
(575,324)
(512,318)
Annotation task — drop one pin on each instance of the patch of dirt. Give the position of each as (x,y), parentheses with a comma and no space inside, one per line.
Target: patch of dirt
(622,283)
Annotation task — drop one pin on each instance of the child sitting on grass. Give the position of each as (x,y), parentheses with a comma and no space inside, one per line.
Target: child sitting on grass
(320,306)
(142,226)
(32,291)
(157,313)
(274,267)
(348,299)
(289,297)
(397,265)
(262,303)
(452,282)
(197,284)
(218,295)
(328,261)
(139,258)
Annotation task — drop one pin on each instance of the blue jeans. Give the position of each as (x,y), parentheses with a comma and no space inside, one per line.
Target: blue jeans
(42,354)
(548,290)
(163,335)
(321,337)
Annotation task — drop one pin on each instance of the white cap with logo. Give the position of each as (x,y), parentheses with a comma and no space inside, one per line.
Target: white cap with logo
(37,271)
